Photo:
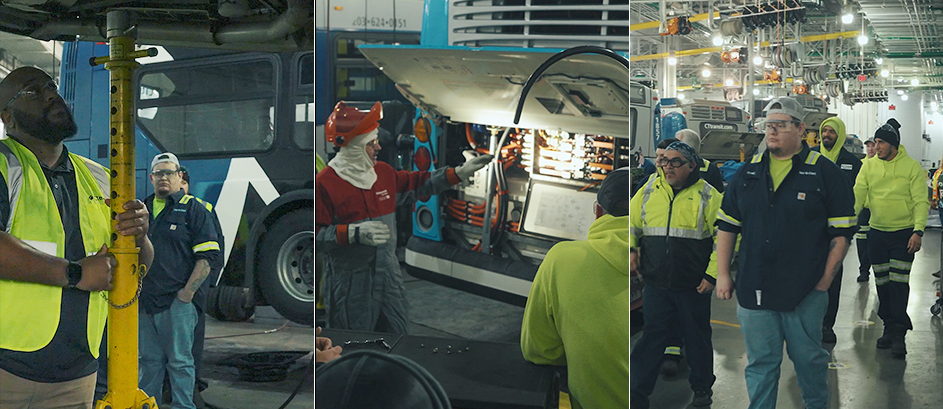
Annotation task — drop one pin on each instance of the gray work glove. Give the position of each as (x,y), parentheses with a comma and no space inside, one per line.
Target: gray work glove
(471,166)
(371,233)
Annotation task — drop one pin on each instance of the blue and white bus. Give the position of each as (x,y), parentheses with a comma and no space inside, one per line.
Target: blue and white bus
(243,125)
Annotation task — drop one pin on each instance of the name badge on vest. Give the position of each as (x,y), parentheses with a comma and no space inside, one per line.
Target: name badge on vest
(846,166)
(801,196)
(173,227)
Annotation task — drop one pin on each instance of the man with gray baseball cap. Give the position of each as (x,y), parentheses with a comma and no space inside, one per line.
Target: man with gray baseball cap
(782,298)
(785,105)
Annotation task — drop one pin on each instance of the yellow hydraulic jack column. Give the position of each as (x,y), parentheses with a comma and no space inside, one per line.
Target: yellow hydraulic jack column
(123,392)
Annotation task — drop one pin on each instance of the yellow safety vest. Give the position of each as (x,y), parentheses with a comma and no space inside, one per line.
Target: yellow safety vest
(29,312)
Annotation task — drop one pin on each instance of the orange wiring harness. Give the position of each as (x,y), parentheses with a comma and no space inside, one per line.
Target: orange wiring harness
(473,214)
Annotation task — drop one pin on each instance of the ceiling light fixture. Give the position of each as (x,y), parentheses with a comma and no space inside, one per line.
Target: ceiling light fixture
(862,40)
(729,82)
(672,60)
(879,60)
(680,96)
(885,73)
(758,61)
(718,40)
(706,72)
(847,17)
(900,92)
(903,97)
(756,91)
(914,82)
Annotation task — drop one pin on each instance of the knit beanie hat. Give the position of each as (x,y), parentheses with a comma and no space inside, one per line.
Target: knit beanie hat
(888,134)
(893,122)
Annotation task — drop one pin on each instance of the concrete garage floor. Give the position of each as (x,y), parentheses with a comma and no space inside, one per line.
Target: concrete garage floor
(434,311)
(861,376)
(227,391)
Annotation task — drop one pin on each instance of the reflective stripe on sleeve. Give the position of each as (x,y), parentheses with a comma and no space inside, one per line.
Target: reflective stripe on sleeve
(206,246)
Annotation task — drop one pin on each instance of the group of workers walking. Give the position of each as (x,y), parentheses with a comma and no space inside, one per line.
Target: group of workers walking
(795,210)
(55,229)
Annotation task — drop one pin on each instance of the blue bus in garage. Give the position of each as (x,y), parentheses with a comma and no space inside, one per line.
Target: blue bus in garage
(243,125)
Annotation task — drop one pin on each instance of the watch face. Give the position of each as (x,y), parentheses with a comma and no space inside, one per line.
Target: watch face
(74,273)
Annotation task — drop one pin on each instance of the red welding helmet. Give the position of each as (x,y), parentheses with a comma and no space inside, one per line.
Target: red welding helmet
(346,122)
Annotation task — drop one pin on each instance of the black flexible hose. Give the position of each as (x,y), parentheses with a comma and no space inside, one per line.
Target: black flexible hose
(583,49)
(308,372)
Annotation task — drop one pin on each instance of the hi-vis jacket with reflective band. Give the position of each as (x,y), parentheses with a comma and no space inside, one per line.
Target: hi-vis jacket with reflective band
(937,200)
(675,234)
(895,191)
(786,233)
(29,313)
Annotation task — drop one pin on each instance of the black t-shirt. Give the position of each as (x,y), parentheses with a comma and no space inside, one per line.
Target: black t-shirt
(67,356)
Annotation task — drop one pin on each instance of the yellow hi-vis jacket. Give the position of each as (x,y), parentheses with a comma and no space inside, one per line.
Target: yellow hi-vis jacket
(895,191)
(29,311)
(675,234)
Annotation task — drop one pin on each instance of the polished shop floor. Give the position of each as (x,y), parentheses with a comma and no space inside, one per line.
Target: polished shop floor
(860,376)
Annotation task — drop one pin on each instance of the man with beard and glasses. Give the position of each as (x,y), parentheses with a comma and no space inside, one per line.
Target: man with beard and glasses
(55,226)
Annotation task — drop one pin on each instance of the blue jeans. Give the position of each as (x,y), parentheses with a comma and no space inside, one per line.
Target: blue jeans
(166,340)
(764,332)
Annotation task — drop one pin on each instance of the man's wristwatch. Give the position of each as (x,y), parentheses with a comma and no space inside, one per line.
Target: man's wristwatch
(74,273)
(919,232)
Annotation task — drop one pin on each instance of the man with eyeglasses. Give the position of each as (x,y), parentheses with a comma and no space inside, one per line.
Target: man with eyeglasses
(832,134)
(355,204)
(55,226)
(186,246)
(894,187)
(199,300)
(672,244)
(795,211)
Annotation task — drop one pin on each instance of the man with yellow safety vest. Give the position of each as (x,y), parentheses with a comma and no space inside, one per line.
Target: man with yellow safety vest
(710,174)
(55,226)
(894,186)
(187,246)
(672,243)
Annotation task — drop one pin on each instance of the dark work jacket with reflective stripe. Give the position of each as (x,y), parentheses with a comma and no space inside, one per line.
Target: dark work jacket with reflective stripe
(712,175)
(847,162)
(675,263)
(786,233)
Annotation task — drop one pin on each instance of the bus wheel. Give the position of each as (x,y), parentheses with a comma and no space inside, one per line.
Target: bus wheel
(286,268)
(228,303)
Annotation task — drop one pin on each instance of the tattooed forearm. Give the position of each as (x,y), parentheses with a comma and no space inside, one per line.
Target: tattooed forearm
(200,272)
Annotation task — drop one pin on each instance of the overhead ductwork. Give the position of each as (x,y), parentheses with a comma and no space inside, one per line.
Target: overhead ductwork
(291,30)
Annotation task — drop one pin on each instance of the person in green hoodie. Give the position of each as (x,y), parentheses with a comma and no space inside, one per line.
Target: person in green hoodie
(577,313)
(894,186)
(672,240)
(832,133)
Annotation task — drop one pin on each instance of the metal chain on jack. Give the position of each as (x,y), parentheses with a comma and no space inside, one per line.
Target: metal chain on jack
(142,271)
